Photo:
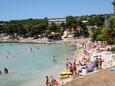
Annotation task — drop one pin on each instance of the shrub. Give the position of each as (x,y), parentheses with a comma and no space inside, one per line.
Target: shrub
(101,37)
(113,49)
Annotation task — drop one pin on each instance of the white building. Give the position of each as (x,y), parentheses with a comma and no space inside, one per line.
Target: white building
(56,20)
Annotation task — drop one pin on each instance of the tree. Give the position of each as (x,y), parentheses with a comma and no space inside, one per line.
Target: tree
(100,37)
(96,33)
(54,28)
(71,22)
(112,22)
(37,30)
(21,30)
(63,25)
(32,27)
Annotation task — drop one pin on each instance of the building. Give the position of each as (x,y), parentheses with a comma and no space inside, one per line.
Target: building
(57,20)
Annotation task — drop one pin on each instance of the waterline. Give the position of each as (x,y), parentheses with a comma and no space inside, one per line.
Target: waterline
(30,63)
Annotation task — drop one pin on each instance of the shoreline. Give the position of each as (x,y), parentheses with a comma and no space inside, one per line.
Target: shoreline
(27,49)
(107,64)
(32,42)
(70,41)
(104,77)
(78,54)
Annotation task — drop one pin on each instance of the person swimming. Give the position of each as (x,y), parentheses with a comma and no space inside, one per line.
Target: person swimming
(8,52)
(13,56)
(6,56)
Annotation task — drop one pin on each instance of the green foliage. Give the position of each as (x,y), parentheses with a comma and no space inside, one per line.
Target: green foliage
(63,26)
(105,33)
(24,27)
(71,22)
(100,37)
(113,40)
(84,30)
(96,20)
(113,49)
(32,27)
(54,28)
(96,33)
(38,30)
(112,22)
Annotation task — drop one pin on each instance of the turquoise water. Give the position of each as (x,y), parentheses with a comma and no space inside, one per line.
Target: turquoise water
(28,64)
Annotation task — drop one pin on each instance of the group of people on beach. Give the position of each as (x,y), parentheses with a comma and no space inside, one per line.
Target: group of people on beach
(4,71)
(81,67)
(85,62)
(51,82)
(71,66)
(98,63)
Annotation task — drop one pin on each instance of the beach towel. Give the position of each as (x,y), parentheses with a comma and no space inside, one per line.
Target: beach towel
(90,67)
(112,69)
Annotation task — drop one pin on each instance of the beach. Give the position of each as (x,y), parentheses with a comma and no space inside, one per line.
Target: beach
(101,78)
(57,43)
(86,52)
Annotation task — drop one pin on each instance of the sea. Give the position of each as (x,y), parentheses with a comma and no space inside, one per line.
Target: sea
(28,64)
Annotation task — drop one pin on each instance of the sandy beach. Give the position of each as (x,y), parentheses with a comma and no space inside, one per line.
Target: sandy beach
(99,76)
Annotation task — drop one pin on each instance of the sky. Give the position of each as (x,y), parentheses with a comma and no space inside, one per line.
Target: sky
(24,9)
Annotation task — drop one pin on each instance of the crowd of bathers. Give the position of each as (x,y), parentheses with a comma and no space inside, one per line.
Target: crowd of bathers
(87,62)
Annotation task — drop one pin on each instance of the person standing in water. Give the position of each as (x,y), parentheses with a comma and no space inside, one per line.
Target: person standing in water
(71,68)
(67,63)
(47,81)
(5,70)
(54,59)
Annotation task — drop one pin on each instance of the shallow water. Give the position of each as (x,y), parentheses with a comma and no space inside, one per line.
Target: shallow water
(28,64)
